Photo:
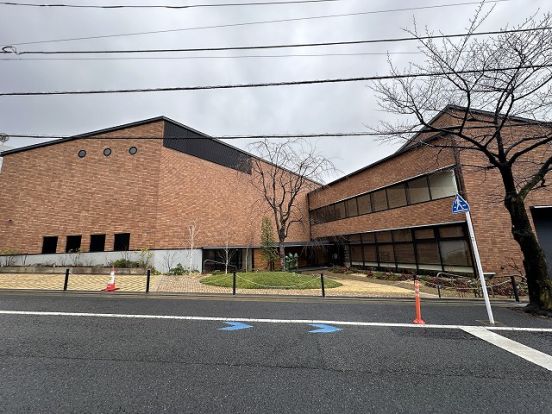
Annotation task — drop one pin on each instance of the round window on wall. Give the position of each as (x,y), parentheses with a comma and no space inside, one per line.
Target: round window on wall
(82,154)
(107,152)
(132,150)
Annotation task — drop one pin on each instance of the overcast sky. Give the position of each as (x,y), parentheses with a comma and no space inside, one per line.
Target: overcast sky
(282,110)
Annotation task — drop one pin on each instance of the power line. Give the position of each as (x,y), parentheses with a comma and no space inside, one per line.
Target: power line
(272,84)
(163,6)
(11,50)
(327,16)
(15,59)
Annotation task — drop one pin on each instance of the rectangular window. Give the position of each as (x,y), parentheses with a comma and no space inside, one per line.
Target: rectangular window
(396,196)
(49,244)
(402,235)
(97,242)
(421,234)
(384,237)
(451,231)
(121,242)
(386,254)
(418,190)
(379,200)
(356,253)
(428,252)
(73,244)
(355,239)
(404,253)
(364,204)
(369,238)
(329,213)
(352,209)
(455,253)
(370,256)
(340,211)
(442,184)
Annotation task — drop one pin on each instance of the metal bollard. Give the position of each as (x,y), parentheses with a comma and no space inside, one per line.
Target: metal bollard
(148,275)
(234,283)
(322,285)
(66,281)
(515,288)
(439,290)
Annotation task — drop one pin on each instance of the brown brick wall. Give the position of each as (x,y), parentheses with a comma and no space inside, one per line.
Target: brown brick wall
(50,191)
(154,195)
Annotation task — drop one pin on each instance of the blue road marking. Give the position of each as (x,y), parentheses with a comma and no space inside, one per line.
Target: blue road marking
(235,326)
(323,328)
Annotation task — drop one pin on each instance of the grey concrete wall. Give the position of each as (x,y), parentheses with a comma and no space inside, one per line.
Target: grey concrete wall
(160,259)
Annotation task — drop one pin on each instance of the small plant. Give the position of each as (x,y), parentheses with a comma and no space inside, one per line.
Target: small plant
(145,258)
(178,270)
(125,263)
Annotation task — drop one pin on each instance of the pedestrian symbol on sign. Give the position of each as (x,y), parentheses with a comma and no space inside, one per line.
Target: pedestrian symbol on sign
(459,205)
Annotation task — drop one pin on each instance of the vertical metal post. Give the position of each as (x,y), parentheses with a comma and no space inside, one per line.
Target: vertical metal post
(439,290)
(479,268)
(66,281)
(322,285)
(148,275)
(515,288)
(234,283)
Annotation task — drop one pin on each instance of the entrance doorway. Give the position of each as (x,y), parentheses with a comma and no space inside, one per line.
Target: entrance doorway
(542,217)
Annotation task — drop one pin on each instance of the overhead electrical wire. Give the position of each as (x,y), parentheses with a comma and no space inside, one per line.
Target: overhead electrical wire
(12,50)
(163,6)
(272,84)
(16,59)
(327,16)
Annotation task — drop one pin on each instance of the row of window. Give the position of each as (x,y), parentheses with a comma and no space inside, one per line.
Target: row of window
(418,190)
(121,242)
(438,248)
(107,152)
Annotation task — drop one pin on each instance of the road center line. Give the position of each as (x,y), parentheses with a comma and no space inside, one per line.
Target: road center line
(262,320)
(532,355)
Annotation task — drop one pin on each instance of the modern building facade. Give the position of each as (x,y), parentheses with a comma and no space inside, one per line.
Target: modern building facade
(156,183)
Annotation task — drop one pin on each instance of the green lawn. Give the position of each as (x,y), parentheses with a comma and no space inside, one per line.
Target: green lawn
(270,280)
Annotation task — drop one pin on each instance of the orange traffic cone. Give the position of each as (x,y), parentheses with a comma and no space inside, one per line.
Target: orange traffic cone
(111,284)
(418,320)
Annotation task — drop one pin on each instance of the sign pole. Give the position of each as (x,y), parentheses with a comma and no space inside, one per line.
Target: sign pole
(479,268)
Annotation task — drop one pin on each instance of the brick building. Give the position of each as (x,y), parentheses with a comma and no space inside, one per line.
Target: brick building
(130,188)
(396,213)
(125,189)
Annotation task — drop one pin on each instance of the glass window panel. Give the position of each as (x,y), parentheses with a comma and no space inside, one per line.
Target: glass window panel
(340,211)
(418,190)
(97,242)
(369,238)
(424,234)
(49,244)
(355,238)
(428,252)
(442,184)
(121,242)
(396,196)
(402,235)
(384,237)
(451,231)
(364,204)
(73,244)
(455,253)
(352,209)
(370,253)
(328,213)
(379,200)
(386,254)
(404,253)
(356,253)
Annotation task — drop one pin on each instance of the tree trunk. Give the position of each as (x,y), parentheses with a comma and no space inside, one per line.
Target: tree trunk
(282,254)
(534,263)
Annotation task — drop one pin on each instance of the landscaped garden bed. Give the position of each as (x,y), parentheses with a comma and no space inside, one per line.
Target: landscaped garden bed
(269,280)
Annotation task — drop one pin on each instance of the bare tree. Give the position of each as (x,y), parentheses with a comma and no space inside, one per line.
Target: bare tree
(507,78)
(3,138)
(292,167)
(193,230)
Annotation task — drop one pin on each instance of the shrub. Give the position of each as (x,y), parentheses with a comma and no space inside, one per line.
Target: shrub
(125,263)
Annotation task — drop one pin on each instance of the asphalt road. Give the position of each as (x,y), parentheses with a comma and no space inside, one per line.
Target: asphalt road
(66,363)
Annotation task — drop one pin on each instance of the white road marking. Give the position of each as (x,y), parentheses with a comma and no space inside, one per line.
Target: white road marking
(261,320)
(522,351)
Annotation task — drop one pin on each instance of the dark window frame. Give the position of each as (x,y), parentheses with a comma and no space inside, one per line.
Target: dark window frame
(71,245)
(94,243)
(46,250)
(118,245)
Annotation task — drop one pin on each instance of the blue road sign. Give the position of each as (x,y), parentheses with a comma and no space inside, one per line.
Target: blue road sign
(323,328)
(235,326)
(459,205)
